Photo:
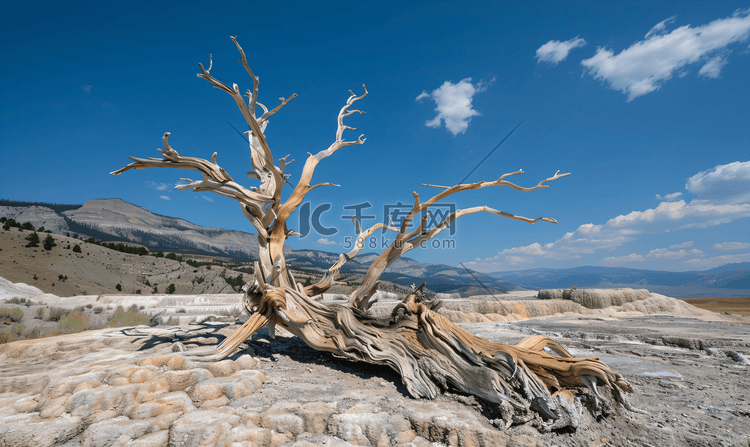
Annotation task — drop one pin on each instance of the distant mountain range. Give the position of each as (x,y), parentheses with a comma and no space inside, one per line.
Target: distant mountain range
(728,279)
(405,271)
(117,220)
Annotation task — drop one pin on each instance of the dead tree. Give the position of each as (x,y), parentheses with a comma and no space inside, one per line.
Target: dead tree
(429,352)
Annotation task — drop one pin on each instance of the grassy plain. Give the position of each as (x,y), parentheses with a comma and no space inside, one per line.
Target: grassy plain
(733,305)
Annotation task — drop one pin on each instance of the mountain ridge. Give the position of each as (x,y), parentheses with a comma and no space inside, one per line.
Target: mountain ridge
(730,279)
(115,219)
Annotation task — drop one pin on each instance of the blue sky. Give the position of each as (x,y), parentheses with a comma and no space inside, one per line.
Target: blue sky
(646,104)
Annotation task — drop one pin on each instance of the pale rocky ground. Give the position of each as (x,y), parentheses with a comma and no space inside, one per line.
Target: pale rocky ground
(689,368)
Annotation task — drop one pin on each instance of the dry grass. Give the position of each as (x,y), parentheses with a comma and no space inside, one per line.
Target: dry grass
(130,317)
(14,314)
(72,323)
(732,305)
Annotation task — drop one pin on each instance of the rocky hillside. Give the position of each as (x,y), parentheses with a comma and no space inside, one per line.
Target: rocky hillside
(120,220)
(116,220)
(98,270)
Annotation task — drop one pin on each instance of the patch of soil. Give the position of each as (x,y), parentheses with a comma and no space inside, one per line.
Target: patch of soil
(731,305)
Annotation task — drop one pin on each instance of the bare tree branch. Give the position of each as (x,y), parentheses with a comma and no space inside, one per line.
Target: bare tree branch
(270,175)
(327,281)
(406,241)
(303,186)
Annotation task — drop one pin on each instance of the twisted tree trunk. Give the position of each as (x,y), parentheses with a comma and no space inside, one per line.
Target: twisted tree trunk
(429,352)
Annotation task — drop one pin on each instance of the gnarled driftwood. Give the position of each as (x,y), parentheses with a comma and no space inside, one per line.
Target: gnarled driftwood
(429,352)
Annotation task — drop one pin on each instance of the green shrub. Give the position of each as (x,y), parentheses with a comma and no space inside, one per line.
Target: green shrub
(14,314)
(76,248)
(72,322)
(125,318)
(49,242)
(236,283)
(33,239)
(119,287)
(171,289)
(27,226)
(171,256)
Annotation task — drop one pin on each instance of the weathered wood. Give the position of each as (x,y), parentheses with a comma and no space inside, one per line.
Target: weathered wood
(430,353)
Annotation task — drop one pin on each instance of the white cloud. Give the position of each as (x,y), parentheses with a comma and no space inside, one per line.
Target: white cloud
(659,253)
(158,186)
(668,216)
(618,260)
(324,241)
(86,88)
(666,254)
(535,249)
(732,246)
(165,197)
(515,260)
(674,195)
(647,64)
(454,104)
(208,198)
(729,182)
(555,51)
(677,215)
(660,28)
(716,261)
(712,68)
(422,96)
(718,201)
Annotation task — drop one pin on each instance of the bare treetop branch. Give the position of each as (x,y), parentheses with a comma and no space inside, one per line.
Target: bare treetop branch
(254,96)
